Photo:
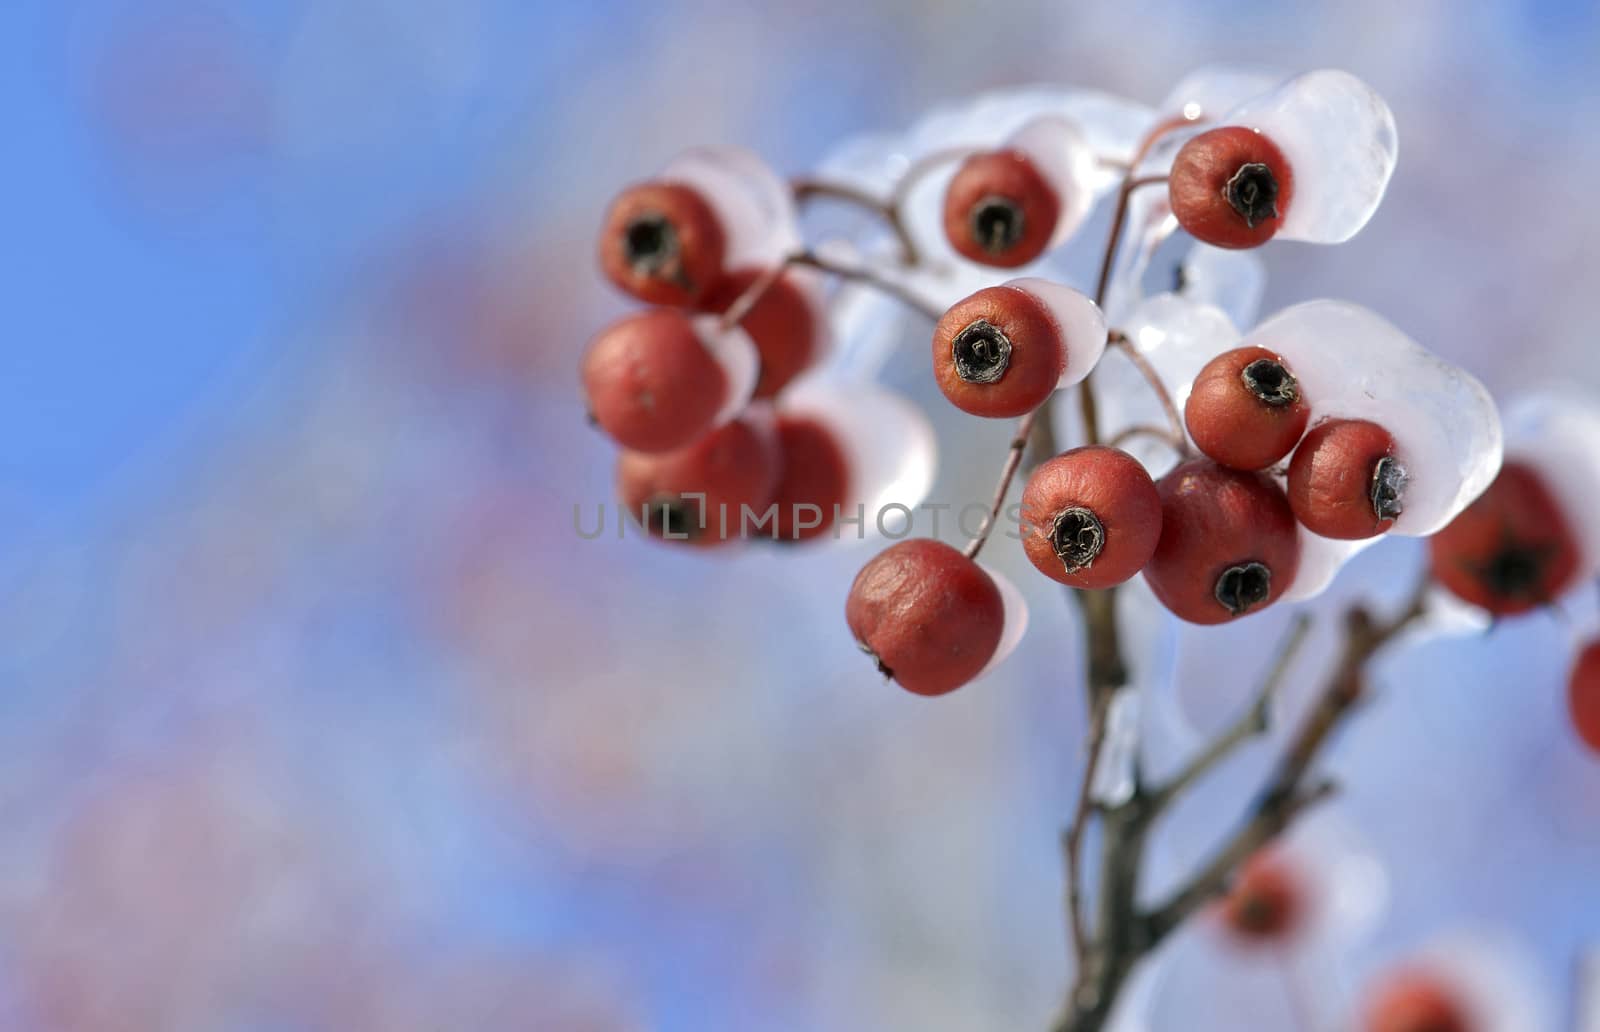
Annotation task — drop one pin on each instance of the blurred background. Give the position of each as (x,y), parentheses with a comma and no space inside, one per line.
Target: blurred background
(317,716)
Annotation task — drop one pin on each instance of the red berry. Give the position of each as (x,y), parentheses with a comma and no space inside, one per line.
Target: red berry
(1229,544)
(1230,187)
(1000,209)
(651,383)
(928,615)
(1090,517)
(1245,409)
(1583,695)
(733,466)
(1414,1001)
(1510,550)
(816,472)
(662,243)
(1345,480)
(1267,899)
(782,323)
(998,353)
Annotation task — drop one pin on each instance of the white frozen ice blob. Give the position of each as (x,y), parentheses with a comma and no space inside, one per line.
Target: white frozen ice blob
(888,443)
(1321,559)
(1232,280)
(1082,325)
(1338,136)
(1353,364)
(1496,980)
(1016,619)
(1214,90)
(1559,436)
(1059,152)
(751,200)
(736,353)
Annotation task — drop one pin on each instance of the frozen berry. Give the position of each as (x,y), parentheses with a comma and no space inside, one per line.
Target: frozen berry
(998,353)
(930,617)
(658,380)
(1090,517)
(1583,695)
(1229,544)
(1511,550)
(1000,209)
(1346,481)
(1245,409)
(1266,901)
(815,480)
(782,323)
(662,243)
(695,494)
(1414,1001)
(1230,187)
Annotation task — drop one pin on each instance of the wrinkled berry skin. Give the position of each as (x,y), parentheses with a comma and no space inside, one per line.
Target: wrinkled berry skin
(733,466)
(1266,902)
(1330,479)
(1219,523)
(1583,696)
(1246,421)
(815,471)
(1415,1002)
(651,384)
(662,243)
(999,210)
(1126,508)
(930,616)
(1028,337)
(1510,551)
(782,324)
(1199,184)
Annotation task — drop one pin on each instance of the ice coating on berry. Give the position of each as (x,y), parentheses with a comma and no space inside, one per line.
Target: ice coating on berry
(1559,436)
(1212,91)
(1339,137)
(1497,980)
(1083,325)
(754,203)
(1228,279)
(1353,364)
(1016,619)
(735,352)
(1060,153)
(1321,559)
(890,444)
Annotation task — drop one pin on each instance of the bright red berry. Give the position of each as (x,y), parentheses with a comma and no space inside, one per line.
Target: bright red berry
(1091,517)
(1230,187)
(1000,209)
(1511,550)
(929,616)
(695,494)
(1346,480)
(653,384)
(662,243)
(1583,696)
(1245,409)
(816,478)
(1267,900)
(783,324)
(998,353)
(1229,543)
(1414,1001)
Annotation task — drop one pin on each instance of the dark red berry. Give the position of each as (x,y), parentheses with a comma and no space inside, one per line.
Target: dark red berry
(1091,517)
(1511,550)
(1583,696)
(1414,1001)
(1000,209)
(815,472)
(1346,480)
(1267,900)
(1245,409)
(998,353)
(695,494)
(928,615)
(650,382)
(1230,187)
(1229,543)
(782,323)
(662,243)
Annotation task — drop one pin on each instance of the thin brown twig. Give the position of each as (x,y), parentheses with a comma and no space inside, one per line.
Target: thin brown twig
(1072,842)
(921,168)
(861,274)
(806,189)
(752,295)
(1120,341)
(1019,444)
(1160,433)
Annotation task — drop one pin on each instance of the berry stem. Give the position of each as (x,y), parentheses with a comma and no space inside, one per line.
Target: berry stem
(1120,341)
(1072,841)
(858,274)
(1008,471)
(806,189)
(752,295)
(1160,433)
